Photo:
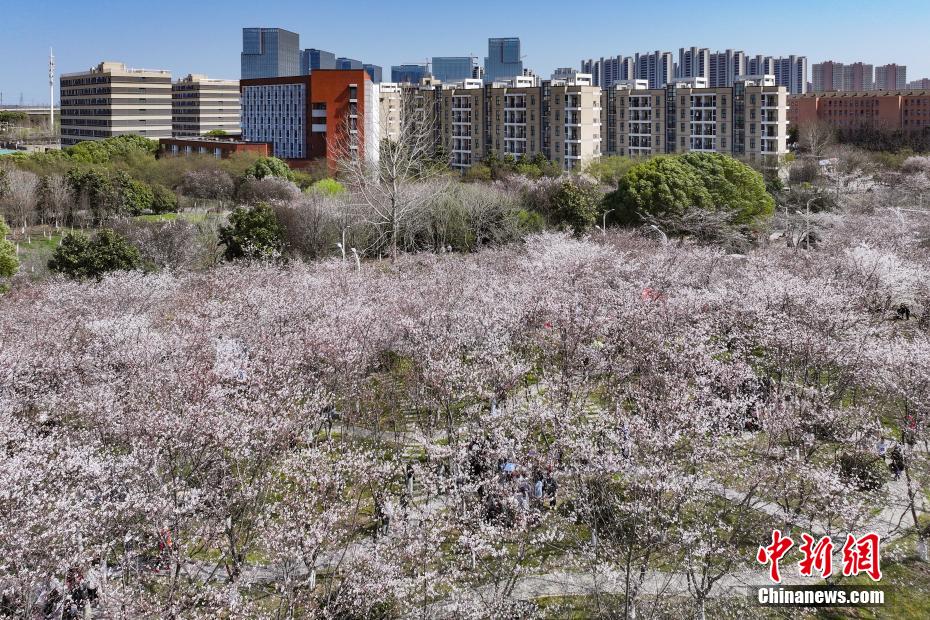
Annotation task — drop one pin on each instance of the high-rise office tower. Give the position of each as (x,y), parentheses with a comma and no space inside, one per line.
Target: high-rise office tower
(348,64)
(890,77)
(408,74)
(452,69)
(374,72)
(311,59)
(270,52)
(503,61)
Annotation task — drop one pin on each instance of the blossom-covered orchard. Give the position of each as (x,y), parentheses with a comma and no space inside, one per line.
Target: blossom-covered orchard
(502,434)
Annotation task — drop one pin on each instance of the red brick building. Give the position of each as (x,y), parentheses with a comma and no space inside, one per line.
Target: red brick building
(217,147)
(906,109)
(307,117)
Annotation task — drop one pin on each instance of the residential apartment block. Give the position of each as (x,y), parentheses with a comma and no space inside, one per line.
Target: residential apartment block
(830,76)
(923,84)
(113,100)
(200,105)
(325,114)
(270,52)
(904,109)
(389,110)
(890,77)
(747,120)
(462,122)
(693,62)
(607,71)
(719,68)
(657,68)
(726,67)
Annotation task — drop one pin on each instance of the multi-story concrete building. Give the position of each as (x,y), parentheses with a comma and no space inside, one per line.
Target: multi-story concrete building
(326,114)
(220,148)
(830,76)
(726,67)
(113,100)
(504,61)
(200,105)
(747,120)
(269,52)
(760,65)
(657,68)
(389,110)
(858,77)
(693,62)
(923,84)
(311,59)
(607,71)
(890,110)
(451,69)
(559,120)
(827,76)
(462,124)
(890,77)
(791,72)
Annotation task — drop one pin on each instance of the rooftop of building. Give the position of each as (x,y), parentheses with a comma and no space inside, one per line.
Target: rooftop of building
(865,94)
(109,66)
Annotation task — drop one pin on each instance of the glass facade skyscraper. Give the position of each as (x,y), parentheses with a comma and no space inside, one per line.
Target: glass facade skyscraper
(452,68)
(503,61)
(269,52)
(311,59)
(374,72)
(411,74)
(348,63)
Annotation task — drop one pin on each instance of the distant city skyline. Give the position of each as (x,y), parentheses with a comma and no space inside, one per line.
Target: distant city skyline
(209,41)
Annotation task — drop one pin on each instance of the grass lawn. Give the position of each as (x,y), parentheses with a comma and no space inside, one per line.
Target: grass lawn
(170,217)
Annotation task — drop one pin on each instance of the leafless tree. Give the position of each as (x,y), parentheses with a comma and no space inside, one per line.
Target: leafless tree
(392,188)
(270,189)
(20,197)
(814,138)
(208,185)
(57,199)
(315,224)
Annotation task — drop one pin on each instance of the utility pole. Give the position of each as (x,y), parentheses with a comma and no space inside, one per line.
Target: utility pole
(51,93)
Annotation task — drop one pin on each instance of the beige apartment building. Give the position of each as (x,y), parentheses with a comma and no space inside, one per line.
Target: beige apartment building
(574,122)
(747,120)
(389,110)
(112,100)
(462,122)
(200,105)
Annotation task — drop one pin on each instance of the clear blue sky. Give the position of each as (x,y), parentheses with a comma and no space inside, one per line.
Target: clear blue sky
(204,36)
